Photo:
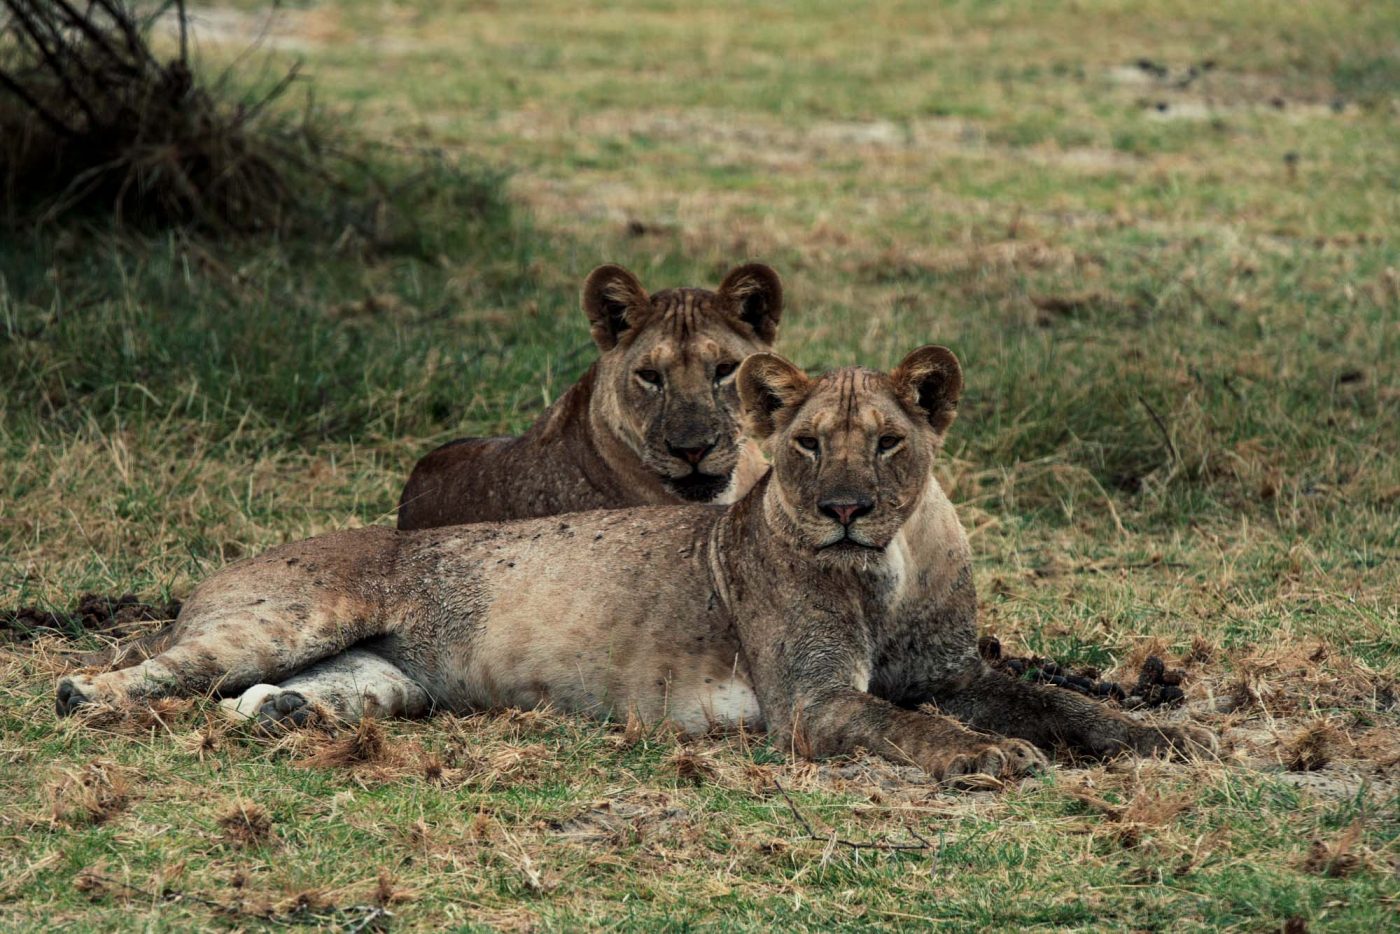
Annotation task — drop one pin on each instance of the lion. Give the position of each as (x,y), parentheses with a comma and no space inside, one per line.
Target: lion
(832,605)
(653,421)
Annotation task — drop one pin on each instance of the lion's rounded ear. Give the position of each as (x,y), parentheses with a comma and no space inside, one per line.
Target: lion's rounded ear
(614,301)
(768,385)
(930,380)
(757,292)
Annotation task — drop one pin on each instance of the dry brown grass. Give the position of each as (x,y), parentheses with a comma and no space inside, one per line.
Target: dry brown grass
(246,824)
(364,745)
(1311,748)
(91,794)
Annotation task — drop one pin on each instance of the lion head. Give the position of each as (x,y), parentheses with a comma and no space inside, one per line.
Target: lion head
(665,376)
(851,450)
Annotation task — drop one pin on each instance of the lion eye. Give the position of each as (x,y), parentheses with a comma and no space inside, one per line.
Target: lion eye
(724,371)
(808,443)
(889,442)
(650,377)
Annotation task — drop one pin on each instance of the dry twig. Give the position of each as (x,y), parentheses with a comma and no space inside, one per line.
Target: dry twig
(922,844)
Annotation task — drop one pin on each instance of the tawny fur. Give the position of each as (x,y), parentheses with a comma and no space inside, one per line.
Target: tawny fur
(832,605)
(615,439)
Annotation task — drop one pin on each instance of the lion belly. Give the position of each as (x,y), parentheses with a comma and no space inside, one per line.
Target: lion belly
(726,704)
(609,614)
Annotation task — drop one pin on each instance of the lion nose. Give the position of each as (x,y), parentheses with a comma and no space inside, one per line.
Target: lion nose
(693,455)
(846,511)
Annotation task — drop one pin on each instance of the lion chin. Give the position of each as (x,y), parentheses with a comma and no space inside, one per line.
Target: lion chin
(699,487)
(847,552)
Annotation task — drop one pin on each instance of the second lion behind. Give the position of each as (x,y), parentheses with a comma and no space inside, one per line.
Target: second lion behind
(653,421)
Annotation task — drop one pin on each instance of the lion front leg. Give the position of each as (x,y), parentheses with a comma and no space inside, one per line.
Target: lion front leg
(1049,716)
(812,687)
(840,722)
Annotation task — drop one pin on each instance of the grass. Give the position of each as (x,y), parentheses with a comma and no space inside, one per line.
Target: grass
(1179,326)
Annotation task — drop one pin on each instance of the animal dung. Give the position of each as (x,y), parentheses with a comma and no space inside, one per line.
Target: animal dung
(1156,686)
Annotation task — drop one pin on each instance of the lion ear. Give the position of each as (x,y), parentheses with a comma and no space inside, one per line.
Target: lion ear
(930,380)
(768,386)
(614,301)
(757,292)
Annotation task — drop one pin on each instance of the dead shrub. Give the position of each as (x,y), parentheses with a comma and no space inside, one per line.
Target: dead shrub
(95,120)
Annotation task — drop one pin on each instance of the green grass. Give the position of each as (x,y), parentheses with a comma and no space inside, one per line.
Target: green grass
(1178,437)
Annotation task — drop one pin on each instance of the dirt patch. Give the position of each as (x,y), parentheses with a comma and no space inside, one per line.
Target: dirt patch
(1200,91)
(115,617)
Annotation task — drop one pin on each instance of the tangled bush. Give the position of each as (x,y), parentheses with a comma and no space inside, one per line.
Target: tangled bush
(94,122)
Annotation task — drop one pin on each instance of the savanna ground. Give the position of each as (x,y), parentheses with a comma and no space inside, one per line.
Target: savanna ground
(1162,238)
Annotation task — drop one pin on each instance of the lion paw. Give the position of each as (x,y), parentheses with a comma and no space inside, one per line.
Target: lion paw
(1002,759)
(73,692)
(271,706)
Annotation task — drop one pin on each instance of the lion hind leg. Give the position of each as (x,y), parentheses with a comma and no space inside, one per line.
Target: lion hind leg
(343,688)
(221,651)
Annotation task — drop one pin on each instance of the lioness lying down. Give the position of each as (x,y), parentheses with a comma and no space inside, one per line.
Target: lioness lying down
(653,421)
(828,605)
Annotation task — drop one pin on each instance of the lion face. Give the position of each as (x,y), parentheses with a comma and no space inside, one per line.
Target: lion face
(665,378)
(851,450)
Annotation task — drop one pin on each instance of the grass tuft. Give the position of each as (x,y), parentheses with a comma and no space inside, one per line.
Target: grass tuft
(691,767)
(246,824)
(1336,859)
(1312,747)
(366,744)
(92,794)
